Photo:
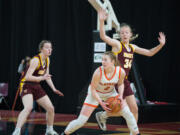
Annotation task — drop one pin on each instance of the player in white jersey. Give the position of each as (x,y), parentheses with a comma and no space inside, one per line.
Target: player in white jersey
(101,88)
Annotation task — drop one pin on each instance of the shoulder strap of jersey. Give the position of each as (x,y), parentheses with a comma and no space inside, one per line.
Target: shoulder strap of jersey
(132,47)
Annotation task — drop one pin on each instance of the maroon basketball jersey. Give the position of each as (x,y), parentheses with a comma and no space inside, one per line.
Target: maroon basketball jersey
(39,71)
(125,57)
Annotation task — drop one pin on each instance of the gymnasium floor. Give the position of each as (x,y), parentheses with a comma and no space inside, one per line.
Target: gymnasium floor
(36,125)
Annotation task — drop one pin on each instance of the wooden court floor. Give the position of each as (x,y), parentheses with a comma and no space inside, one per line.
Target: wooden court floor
(36,125)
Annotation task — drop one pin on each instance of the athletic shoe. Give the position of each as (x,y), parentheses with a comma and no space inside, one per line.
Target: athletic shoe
(101,121)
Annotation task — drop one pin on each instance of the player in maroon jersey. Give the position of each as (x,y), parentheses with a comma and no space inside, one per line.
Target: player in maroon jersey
(124,51)
(30,88)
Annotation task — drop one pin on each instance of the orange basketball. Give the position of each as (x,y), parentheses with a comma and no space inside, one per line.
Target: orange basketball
(114,104)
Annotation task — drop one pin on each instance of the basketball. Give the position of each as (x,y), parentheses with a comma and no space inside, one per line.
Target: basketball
(114,104)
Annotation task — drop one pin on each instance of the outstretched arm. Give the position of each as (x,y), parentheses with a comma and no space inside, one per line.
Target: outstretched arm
(153,51)
(50,83)
(110,41)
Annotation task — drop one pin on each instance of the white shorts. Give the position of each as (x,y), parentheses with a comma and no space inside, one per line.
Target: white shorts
(91,101)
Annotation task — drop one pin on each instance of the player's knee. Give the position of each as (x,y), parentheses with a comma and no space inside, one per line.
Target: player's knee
(134,109)
(50,109)
(131,122)
(81,120)
(28,109)
(76,124)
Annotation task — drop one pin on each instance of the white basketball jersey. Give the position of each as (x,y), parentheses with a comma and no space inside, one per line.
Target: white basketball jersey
(106,84)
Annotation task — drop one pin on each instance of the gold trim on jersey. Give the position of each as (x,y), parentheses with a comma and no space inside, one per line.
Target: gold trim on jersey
(41,72)
(21,85)
(46,60)
(40,60)
(132,47)
(116,53)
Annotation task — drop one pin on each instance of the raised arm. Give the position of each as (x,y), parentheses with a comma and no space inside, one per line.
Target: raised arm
(153,51)
(110,41)
(50,82)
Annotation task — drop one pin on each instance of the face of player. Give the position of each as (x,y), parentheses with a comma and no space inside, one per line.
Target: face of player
(47,49)
(125,34)
(107,62)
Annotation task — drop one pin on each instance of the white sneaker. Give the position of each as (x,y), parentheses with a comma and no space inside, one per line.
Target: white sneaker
(51,132)
(16,132)
(101,121)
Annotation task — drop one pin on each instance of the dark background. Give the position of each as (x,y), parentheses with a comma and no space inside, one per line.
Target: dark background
(69,25)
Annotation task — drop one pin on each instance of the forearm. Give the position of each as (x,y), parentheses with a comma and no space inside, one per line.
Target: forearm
(102,30)
(50,83)
(156,49)
(95,95)
(121,90)
(33,78)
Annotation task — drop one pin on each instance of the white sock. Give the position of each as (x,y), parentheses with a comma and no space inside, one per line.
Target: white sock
(49,127)
(17,129)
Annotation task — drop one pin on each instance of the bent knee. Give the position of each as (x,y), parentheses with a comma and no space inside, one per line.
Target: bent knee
(28,109)
(50,109)
(134,109)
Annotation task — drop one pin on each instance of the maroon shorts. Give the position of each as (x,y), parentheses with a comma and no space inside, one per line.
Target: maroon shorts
(127,89)
(32,88)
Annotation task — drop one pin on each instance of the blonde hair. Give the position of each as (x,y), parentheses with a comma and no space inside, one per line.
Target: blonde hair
(134,36)
(112,57)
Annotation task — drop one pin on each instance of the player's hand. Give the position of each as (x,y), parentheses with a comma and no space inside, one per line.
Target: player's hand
(58,92)
(102,14)
(162,38)
(104,106)
(120,98)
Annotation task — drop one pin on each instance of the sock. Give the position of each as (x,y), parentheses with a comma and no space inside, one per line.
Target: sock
(49,127)
(17,129)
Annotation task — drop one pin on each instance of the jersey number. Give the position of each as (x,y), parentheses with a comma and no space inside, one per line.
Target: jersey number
(106,88)
(128,63)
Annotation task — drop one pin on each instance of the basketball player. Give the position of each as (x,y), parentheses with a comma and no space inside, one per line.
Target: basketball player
(124,52)
(101,88)
(24,62)
(30,88)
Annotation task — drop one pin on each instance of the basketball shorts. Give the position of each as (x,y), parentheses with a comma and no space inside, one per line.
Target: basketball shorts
(32,88)
(127,89)
(91,101)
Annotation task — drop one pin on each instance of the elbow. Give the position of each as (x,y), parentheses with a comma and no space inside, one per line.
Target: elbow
(150,55)
(27,78)
(102,37)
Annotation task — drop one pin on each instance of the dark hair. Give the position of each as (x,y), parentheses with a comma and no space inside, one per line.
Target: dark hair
(112,57)
(41,44)
(134,36)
